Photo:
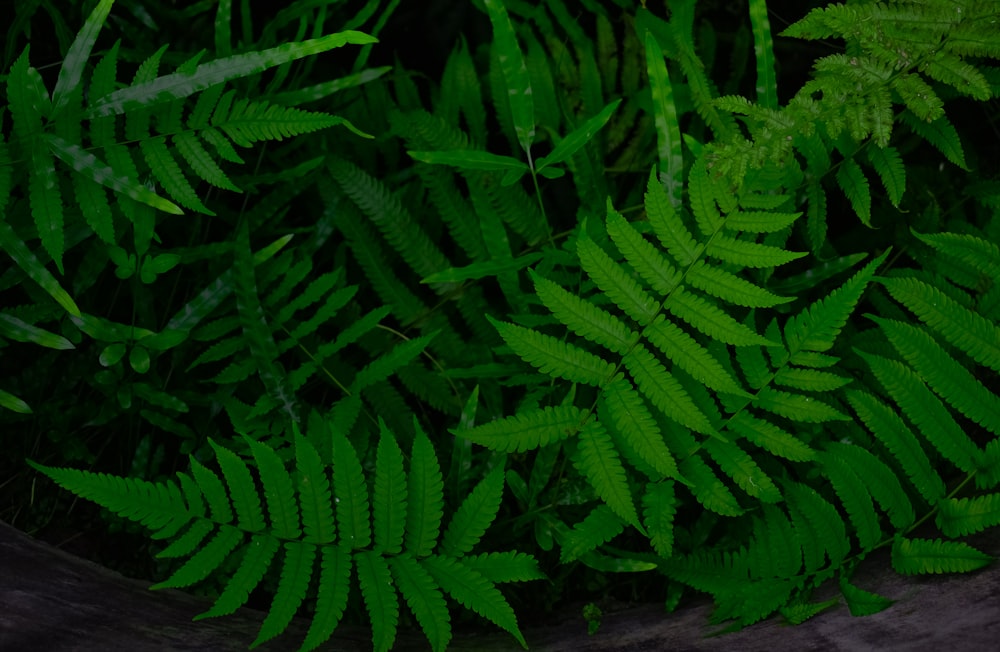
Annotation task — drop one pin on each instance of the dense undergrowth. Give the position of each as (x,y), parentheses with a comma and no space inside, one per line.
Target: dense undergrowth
(620,300)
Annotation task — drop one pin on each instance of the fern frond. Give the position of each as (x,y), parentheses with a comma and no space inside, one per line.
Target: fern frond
(890,429)
(819,526)
(474,592)
(553,356)
(424,599)
(959,517)
(925,556)
(241,487)
(630,419)
(963,328)
(206,560)
(925,409)
(584,318)
(475,514)
(817,327)
(426,500)
(599,526)
(600,464)
(861,602)
(942,373)
(857,501)
(882,483)
(380,597)
(854,183)
(315,499)
(296,571)
(331,599)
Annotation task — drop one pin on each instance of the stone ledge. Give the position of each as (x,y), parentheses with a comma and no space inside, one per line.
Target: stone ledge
(51,600)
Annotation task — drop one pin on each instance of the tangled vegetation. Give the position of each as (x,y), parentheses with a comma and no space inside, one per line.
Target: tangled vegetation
(611,301)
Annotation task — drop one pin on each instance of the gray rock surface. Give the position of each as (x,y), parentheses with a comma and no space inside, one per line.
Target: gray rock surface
(53,601)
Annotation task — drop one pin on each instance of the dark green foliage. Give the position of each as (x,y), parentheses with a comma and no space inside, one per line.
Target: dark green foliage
(566,293)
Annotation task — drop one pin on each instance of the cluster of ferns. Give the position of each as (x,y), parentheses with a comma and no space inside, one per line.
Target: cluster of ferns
(651,326)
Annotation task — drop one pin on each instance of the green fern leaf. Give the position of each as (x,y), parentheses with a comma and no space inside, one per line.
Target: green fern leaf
(503,567)
(380,597)
(816,215)
(332,594)
(315,501)
(817,327)
(881,481)
(165,168)
(775,550)
(972,251)
(959,517)
(708,489)
(684,351)
(633,421)
(809,380)
(257,556)
(475,514)
(924,409)
(708,318)
(241,488)
(729,287)
(655,382)
(854,496)
(584,318)
(924,556)
(889,166)
(424,599)
(811,512)
(738,465)
(642,255)
(555,357)
(600,526)
(155,505)
(279,491)
(940,133)
(861,602)
(659,507)
(296,573)
(185,544)
(949,379)
(389,498)
(474,592)
(798,407)
(702,193)
(612,279)
(890,429)
(527,430)
(201,162)
(749,254)
(208,558)
(599,463)
(963,328)
(351,494)
(668,226)
(215,494)
(426,499)
(853,182)
(770,437)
